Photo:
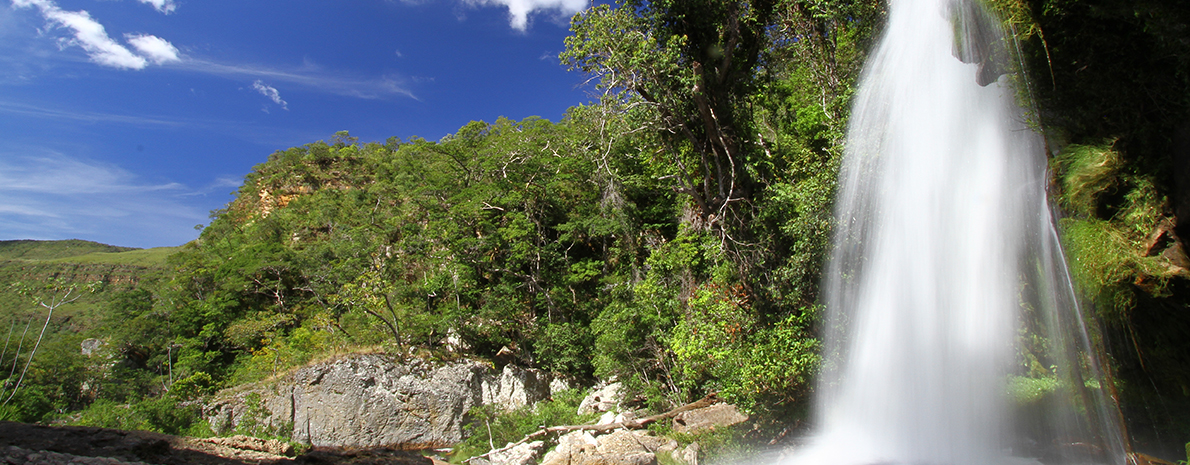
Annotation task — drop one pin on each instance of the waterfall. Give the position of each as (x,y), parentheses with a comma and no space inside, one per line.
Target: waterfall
(944,247)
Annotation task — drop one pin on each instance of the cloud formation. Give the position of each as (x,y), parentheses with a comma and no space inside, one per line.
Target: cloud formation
(35,111)
(270,92)
(91,36)
(519,10)
(164,6)
(308,77)
(154,48)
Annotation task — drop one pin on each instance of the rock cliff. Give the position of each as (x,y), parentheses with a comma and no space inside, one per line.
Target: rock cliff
(370,400)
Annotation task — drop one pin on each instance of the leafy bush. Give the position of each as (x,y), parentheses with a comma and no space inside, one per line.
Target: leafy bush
(163,415)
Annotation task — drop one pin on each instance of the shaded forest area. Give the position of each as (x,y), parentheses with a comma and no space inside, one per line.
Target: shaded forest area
(671,233)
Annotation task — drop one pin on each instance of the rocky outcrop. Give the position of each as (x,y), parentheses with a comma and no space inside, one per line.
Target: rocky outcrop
(622,447)
(371,400)
(605,398)
(517,387)
(708,418)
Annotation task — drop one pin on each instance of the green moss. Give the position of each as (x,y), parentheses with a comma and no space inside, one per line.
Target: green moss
(1087,173)
(1025,390)
(1112,213)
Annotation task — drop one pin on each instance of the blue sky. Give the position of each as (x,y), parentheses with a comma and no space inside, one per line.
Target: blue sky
(127,121)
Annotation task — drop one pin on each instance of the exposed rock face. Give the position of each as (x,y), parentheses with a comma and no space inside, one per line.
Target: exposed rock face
(602,399)
(90,345)
(707,418)
(619,448)
(517,387)
(369,400)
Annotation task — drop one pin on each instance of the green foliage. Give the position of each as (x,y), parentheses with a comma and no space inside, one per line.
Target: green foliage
(565,348)
(192,387)
(145,258)
(1119,70)
(1088,173)
(163,415)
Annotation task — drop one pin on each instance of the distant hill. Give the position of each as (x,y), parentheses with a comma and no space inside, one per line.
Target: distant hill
(79,262)
(49,250)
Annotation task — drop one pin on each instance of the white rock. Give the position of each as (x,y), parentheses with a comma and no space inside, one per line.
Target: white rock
(602,399)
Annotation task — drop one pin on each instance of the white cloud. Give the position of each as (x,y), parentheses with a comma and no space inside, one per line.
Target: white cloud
(270,92)
(91,36)
(154,48)
(164,6)
(309,77)
(23,109)
(519,10)
(54,173)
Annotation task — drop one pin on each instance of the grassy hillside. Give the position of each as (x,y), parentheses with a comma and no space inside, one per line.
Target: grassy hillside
(78,263)
(147,258)
(49,250)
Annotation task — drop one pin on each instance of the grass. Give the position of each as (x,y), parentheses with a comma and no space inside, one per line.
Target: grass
(49,250)
(147,258)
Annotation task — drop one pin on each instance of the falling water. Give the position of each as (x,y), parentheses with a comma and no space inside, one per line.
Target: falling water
(945,247)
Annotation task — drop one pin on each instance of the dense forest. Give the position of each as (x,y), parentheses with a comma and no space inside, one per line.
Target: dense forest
(671,233)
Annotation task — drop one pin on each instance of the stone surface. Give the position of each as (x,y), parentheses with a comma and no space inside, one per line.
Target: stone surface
(559,385)
(706,418)
(517,387)
(688,455)
(522,454)
(371,400)
(602,399)
(270,446)
(622,447)
(90,346)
